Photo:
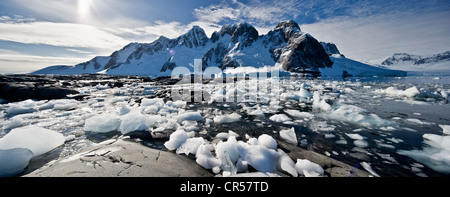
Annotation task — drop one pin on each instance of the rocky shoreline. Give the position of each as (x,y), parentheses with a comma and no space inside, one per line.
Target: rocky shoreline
(125,155)
(127,158)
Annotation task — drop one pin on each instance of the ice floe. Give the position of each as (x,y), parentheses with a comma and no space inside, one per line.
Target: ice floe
(37,139)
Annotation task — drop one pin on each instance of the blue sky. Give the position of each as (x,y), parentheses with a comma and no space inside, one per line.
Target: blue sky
(39,33)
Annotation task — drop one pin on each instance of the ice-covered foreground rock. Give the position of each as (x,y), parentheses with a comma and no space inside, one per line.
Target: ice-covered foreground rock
(122,158)
(13,161)
(307,168)
(34,138)
(176,139)
(289,135)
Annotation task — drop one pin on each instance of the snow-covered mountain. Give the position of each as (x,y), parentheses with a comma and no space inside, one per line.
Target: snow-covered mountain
(233,46)
(405,61)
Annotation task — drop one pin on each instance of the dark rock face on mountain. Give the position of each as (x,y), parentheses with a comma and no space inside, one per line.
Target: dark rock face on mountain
(330,48)
(305,55)
(232,46)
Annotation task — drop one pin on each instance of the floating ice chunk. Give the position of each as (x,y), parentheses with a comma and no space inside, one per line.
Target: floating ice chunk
(230,148)
(13,123)
(13,161)
(392,91)
(356,115)
(257,112)
(289,135)
(34,138)
(259,157)
(234,117)
(445,129)
(24,107)
(361,143)
(159,102)
(289,96)
(206,159)
(298,114)
(435,155)
(320,104)
(304,95)
(305,166)
(102,123)
(321,126)
(222,135)
(417,121)
(136,121)
(329,135)
(190,146)
(65,104)
(354,136)
(152,109)
(176,139)
(286,164)
(280,118)
(267,141)
(369,169)
(193,116)
(124,109)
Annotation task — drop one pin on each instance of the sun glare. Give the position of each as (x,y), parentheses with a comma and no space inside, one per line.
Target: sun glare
(84,7)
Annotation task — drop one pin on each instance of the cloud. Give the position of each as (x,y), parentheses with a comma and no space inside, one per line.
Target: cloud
(259,13)
(60,34)
(15,62)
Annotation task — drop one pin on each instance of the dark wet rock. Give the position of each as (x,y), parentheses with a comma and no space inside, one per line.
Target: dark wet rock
(13,91)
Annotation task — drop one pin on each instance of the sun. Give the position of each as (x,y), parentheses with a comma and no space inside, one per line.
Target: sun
(84,8)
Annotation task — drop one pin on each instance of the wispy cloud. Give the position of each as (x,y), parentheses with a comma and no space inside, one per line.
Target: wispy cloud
(15,62)
(59,34)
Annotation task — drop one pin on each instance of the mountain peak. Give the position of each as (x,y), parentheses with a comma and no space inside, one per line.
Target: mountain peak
(244,33)
(288,25)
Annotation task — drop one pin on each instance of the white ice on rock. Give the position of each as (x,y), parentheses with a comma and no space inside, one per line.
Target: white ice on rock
(307,168)
(176,139)
(286,164)
(206,159)
(289,136)
(267,141)
(190,146)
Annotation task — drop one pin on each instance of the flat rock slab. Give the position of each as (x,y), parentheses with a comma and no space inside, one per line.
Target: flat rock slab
(121,158)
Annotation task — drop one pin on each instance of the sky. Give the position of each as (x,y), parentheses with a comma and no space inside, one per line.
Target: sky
(39,33)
